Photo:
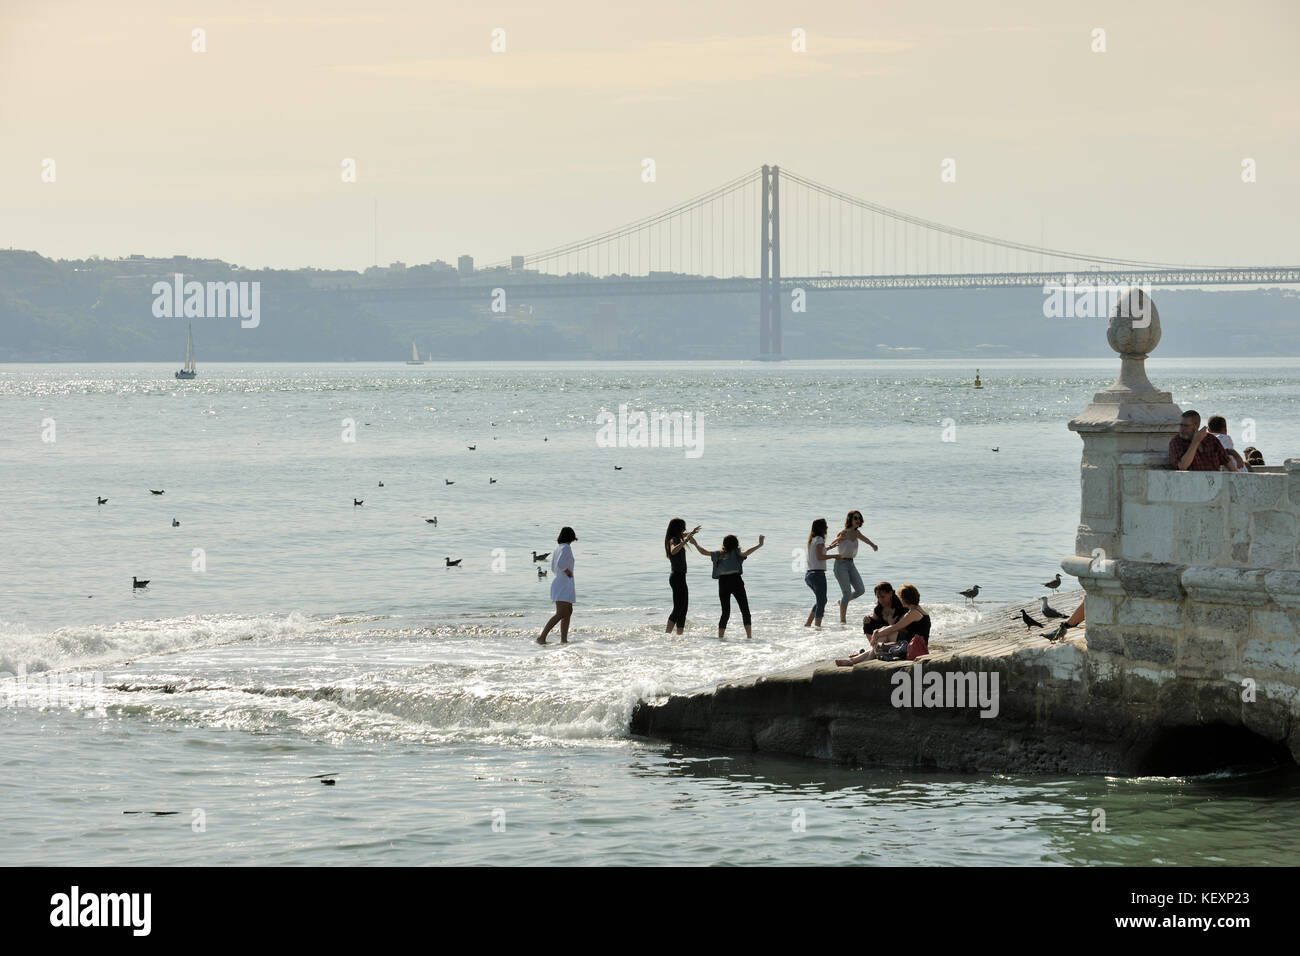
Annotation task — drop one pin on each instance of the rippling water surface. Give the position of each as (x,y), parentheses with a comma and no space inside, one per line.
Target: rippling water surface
(288,633)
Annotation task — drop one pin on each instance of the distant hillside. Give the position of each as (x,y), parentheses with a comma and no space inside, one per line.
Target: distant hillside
(103,310)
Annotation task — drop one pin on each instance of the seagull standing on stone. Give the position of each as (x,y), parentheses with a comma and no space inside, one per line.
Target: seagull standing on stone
(1048,610)
(1054,583)
(971,594)
(1029,621)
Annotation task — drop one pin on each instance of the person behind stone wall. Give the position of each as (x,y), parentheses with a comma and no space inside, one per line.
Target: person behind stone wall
(1218,426)
(1190,451)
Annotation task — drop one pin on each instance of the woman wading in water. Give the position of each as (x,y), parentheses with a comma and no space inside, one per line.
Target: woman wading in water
(675,542)
(846,572)
(726,568)
(563,592)
(815,577)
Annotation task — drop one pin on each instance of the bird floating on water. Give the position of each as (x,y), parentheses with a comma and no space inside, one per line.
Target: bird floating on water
(1029,621)
(492,481)
(541,557)
(381,484)
(473,447)
(1048,610)
(995,449)
(1054,583)
(152,492)
(541,572)
(137,583)
(102,501)
(357,502)
(433,521)
(453,564)
(175,523)
(971,594)
(618,467)
(448,481)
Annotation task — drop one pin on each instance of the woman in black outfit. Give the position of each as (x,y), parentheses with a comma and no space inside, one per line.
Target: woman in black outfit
(675,542)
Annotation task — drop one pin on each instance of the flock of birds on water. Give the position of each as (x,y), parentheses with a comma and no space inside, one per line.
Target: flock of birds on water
(138,584)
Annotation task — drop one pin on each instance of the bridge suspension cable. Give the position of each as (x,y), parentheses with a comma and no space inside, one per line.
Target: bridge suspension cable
(824,231)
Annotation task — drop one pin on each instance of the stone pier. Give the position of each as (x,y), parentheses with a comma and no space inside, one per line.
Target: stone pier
(1189,661)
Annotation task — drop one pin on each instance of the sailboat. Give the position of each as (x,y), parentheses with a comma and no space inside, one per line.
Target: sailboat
(415,355)
(188,371)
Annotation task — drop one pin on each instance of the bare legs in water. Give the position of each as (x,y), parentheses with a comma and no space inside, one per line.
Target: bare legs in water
(563,611)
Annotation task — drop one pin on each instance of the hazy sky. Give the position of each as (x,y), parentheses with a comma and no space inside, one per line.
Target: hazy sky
(236,152)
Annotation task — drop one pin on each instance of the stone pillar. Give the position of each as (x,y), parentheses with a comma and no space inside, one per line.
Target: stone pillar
(1125,431)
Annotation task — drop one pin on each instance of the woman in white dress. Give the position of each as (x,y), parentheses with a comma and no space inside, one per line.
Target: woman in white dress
(563,592)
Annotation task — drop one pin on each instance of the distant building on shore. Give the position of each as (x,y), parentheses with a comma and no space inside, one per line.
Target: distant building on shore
(465,265)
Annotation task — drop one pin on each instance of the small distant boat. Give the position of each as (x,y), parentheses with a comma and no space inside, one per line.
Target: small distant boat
(415,355)
(978,383)
(188,371)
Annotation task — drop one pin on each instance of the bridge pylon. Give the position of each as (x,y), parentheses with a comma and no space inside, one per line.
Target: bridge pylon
(769,286)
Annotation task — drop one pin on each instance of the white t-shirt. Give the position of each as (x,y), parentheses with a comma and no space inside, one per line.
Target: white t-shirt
(813,563)
(848,547)
(1226,442)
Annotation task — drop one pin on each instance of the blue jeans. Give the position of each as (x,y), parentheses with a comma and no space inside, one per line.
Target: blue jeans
(817,581)
(846,573)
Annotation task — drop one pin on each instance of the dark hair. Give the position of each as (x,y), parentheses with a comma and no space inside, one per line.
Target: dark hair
(1253,456)
(848,518)
(676,528)
(730,543)
(909,594)
(818,528)
(884,586)
(566,535)
(1190,413)
(1217,424)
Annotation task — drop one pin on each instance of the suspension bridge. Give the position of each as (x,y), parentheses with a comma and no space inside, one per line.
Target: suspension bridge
(772,231)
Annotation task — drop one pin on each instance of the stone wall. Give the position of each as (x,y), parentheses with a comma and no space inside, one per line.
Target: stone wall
(1217,519)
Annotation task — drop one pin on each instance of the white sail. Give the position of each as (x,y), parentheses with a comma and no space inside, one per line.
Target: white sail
(415,353)
(189,350)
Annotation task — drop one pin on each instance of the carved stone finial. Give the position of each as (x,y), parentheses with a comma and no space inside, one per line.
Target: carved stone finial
(1133,332)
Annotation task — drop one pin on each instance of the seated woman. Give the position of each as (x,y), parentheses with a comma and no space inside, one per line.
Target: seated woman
(888,609)
(906,619)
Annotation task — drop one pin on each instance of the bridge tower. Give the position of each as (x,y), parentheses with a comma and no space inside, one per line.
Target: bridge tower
(769,286)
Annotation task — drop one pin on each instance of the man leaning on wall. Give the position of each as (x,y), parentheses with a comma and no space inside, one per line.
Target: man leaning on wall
(1195,449)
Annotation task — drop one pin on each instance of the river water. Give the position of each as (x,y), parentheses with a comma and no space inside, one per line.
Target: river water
(288,633)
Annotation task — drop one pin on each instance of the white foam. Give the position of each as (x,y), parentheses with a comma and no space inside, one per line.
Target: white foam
(25,651)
